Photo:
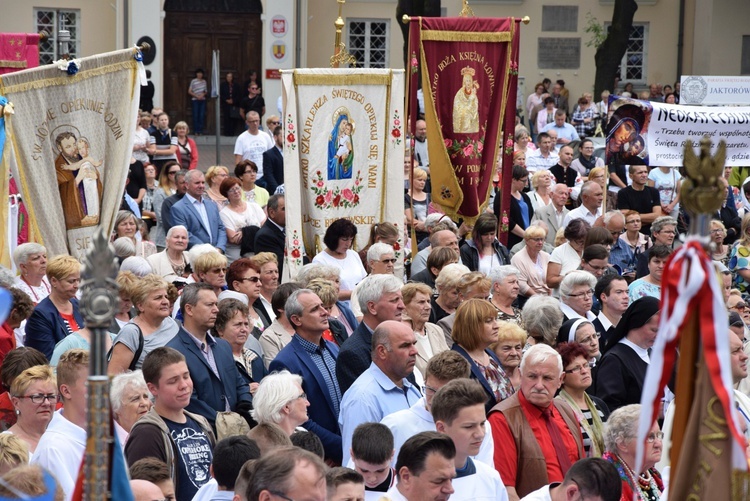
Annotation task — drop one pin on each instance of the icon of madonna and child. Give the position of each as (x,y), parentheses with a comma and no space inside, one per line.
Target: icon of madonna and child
(341,146)
(78,179)
(626,132)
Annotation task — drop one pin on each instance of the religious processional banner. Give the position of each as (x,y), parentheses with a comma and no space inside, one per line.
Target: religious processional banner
(343,155)
(18,51)
(469,74)
(69,144)
(650,133)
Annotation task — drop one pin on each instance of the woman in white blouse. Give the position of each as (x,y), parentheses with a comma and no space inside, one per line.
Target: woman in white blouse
(237,215)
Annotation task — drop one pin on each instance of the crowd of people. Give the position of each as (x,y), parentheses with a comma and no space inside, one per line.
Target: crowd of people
(488,371)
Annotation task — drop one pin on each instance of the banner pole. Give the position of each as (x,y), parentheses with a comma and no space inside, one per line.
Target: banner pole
(216,71)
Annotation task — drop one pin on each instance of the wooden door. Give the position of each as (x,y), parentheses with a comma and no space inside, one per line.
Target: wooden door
(190,38)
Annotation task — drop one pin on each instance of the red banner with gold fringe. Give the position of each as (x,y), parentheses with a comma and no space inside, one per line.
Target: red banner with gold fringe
(18,51)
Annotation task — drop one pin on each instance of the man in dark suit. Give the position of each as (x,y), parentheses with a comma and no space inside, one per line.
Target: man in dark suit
(314,358)
(380,300)
(231,94)
(270,237)
(217,384)
(273,161)
(166,207)
(199,216)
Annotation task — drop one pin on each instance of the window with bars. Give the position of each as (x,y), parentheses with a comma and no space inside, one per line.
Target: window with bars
(633,64)
(51,21)
(368,42)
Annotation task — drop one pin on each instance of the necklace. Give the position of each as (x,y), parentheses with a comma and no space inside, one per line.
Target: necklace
(31,288)
(644,486)
(178,268)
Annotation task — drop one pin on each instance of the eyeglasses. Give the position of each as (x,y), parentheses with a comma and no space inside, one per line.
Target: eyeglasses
(39,398)
(588,293)
(634,221)
(652,437)
(301,396)
(426,388)
(579,368)
(172,172)
(739,306)
(219,270)
(538,239)
(617,233)
(589,339)
(249,279)
(716,231)
(388,261)
(280,495)
(275,123)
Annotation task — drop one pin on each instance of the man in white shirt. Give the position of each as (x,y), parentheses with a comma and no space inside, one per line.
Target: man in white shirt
(590,209)
(442,368)
(458,410)
(420,145)
(589,478)
(425,468)
(544,157)
(61,448)
(252,143)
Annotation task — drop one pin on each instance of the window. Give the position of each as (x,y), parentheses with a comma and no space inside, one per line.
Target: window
(368,42)
(633,64)
(51,21)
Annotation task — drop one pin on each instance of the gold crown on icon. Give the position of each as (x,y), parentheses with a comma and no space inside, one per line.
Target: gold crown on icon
(468,71)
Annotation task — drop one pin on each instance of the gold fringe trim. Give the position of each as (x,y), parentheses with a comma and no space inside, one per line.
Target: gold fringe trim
(386,138)
(740,485)
(7,63)
(66,79)
(460,36)
(303,79)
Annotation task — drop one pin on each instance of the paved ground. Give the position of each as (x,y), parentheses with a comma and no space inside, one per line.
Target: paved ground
(207,152)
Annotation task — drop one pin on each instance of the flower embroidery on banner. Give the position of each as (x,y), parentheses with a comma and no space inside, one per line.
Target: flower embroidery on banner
(396,129)
(504,222)
(291,133)
(295,251)
(513,68)
(336,197)
(509,146)
(414,63)
(467,148)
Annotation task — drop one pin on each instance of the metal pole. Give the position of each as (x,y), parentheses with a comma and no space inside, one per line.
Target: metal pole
(99,304)
(63,40)
(218,109)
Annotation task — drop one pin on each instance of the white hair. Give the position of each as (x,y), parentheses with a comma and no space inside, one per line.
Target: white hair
(538,354)
(372,288)
(449,276)
(138,265)
(198,250)
(124,247)
(500,273)
(574,279)
(312,271)
(378,250)
(177,227)
(274,392)
(23,252)
(122,382)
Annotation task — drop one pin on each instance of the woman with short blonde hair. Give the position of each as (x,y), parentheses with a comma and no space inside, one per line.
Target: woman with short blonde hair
(34,396)
(215,175)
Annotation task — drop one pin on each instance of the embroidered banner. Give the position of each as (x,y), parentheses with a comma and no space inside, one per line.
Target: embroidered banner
(649,133)
(470,67)
(18,51)
(343,155)
(69,144)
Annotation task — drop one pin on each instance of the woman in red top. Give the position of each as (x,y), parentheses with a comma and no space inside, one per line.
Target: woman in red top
(22,308)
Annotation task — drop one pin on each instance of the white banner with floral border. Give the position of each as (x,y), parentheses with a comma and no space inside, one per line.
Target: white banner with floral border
(343,156)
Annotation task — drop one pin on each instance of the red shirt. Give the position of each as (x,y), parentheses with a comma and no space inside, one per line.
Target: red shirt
(71,319)
(506,454)
(7,341)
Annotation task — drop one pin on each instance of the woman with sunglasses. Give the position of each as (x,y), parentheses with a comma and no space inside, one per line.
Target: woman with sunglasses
(243,276)
(34,397)
(166,188)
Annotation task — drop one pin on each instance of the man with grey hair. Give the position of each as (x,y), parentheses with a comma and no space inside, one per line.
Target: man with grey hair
(577,295)
(554,214)
(590,209)
(164,216)
(251,144)
(383,388)
(379,298)
(621,256)
(537,437)
(430,224)
(314,359)
(663,232)
(445,237)
(199,216)
(381,260)
(288,473)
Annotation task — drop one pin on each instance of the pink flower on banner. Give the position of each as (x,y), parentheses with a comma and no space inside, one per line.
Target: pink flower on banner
(480,147)
(295,242)
(468,150)
(509,143)
(347,194)
(320,184)
(448,143)
(356,182)
(329,197)
(414,61)
(290,126)
(397,122)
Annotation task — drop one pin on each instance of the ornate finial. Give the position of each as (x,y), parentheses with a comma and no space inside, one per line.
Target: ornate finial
(406,19)
(340,55)
(525,19)
(100,300)
(466,10)
(702,191)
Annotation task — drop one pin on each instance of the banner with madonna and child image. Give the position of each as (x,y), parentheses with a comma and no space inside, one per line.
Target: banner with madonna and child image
(69,143)
(469,74)
(652,133)
(343,156)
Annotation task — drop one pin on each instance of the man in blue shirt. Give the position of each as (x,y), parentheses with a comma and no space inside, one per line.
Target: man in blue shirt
(383,388)
(565,132)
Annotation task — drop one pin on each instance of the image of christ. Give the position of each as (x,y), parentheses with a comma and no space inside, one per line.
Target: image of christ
(71,170)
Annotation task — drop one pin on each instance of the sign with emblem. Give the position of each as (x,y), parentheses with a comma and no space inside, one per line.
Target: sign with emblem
(278,51)
(714,90)
(279,26)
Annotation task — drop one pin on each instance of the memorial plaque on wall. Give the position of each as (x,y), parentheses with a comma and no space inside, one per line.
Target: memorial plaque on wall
(560,18)
(559,53)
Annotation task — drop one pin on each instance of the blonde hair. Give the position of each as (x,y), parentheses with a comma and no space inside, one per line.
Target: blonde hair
(410,290)
(534,232)
(420,173)
(145,286)
(537,176)
(263,258)
(127,282)
(324,290)
(182,124)
(213,171)
(13,452)
(61,267)
(596,171)
(41,373)
(69,364)
(560,237)
(207,261)
(510,331)
(29,479)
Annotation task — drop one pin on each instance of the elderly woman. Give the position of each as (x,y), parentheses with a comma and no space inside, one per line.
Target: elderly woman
(172,263)
(386,233)
(126,281)
(593,411)
(620,437)
(215,175)
(34,397)
(567,257)
(505,289)
(126,225)
(531,262)
(650,285)
(151,328)
(31,261)
(243,276)
(247,172)
(447,299)
(523,141)
(474,331)
(483,251)
(381,260)
(637,241)
(542,182)
(416,202)
(542,319)
(719,250)
(17,361)
(280,400)
(269,279)
(280,332)
(470,286)
(508,348)
(187,150)
(167,187)
(130,401)
(338,239)
(58,315)
(232,325)
(340,310)
(430,338)
(577,295)
(237,215)
(581,331)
